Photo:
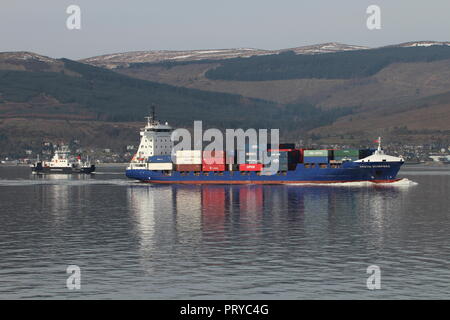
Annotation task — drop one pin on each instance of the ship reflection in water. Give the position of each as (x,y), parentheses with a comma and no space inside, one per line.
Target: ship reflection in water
(229,231)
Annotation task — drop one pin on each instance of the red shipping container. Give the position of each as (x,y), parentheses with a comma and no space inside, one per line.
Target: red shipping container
(189,167)
(213,167)
(214,153)
(212,161)
(213,157)
(300,157)
(251,167)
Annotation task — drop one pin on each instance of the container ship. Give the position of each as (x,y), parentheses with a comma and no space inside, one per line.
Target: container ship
(62,163)
(155,163)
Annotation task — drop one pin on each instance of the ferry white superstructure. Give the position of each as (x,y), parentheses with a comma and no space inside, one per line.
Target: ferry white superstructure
(62,163)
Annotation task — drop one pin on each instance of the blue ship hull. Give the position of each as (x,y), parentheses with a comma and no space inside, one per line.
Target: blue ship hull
(378,172)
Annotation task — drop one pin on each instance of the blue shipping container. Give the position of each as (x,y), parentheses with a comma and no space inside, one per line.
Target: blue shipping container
(315,160)
(160,159)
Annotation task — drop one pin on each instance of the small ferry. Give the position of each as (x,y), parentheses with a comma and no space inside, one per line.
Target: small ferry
(63,163)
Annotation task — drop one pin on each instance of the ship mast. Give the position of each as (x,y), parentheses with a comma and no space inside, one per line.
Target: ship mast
(153,113)
(379,151)
(151,120)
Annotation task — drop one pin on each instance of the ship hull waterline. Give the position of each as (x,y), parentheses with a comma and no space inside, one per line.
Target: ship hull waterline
(63,170)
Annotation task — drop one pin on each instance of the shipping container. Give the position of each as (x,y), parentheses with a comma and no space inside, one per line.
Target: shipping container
(160,159)
(160,166)
(242,157)
(189,167)
(238,154)
(189,154)
(250,167)
(278,150)
(287,146)
(214,153)
(247,147)
(315,159)
(346,153)
(281,166)
(287,159)
(207,161)
(300,155)
(346,158)
(213,167)
(281,158)
(229,160)
(252,161)
(317,153)
(188,160)
(233,167)
(281,154)
(251,156)
(294,156)
(213,157)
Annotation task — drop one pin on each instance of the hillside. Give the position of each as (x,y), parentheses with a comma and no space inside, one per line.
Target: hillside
(339,65)
(400,80)
(66,91)
(120,60)
(100,94)
(422,121)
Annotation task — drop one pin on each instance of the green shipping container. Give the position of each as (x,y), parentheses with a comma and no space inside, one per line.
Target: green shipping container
(346,158)
(346,153)
(316,153)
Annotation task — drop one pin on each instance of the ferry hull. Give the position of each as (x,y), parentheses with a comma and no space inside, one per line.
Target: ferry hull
(376,172)
(63,170)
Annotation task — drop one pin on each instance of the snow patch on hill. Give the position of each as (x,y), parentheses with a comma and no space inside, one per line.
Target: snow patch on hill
(112,61)
(24,56)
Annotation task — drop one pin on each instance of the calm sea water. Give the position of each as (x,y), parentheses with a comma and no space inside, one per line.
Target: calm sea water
(232,242)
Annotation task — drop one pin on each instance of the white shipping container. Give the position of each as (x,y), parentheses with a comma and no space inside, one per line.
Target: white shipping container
(186,157)
(188,161)
(160,166)
(189,154)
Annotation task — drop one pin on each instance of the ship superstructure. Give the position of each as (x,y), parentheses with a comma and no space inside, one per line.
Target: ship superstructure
(155,141)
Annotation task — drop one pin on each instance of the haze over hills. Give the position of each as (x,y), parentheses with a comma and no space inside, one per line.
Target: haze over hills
(348,95)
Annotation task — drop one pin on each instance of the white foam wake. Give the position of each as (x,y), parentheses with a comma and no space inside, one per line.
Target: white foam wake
(401,183)
(405,182)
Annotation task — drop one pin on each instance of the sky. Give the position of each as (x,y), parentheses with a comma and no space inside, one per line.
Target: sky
(112,26)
